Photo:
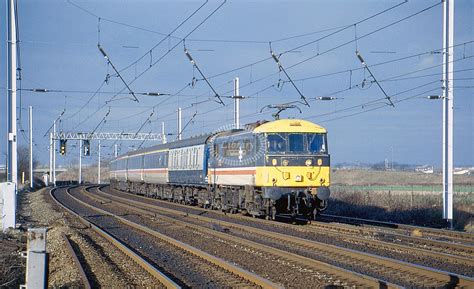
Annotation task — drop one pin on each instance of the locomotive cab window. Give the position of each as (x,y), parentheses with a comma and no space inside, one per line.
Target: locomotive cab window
(296,143)
(276,143)
(317,143)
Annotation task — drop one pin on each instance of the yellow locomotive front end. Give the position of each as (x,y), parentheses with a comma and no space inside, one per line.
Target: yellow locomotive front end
(294,172)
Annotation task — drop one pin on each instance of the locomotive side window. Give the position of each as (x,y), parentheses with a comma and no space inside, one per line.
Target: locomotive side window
(276,143)
(296,143)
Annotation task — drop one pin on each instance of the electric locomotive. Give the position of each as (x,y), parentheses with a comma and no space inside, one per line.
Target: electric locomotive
(280,167)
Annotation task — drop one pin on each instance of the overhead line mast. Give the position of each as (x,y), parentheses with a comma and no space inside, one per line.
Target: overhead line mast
(11,75)
(448,109)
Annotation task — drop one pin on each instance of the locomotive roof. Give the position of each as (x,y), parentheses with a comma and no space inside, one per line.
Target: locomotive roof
(290,125)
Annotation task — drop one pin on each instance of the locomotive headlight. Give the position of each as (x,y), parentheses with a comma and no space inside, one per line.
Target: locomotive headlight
(274,162)
(298,178)
(285,163)
(308,162)
(320,162)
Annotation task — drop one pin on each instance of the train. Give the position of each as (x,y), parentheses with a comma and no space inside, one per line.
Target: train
(265,169)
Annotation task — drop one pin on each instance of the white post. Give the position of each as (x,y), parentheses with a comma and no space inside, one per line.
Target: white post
(54,153)
(30,110)
(36,258)
(237,98)
(11,75)
(179,124)
(163,134)
(98,167)
(115,150)
(80,162)
(50,157)
(448,98)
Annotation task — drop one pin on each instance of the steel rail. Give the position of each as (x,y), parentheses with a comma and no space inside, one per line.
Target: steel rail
(249,276)
(357,230)
(439,275)
(349,276)
(330,230)
(460,236)
(72,253)
(162,278)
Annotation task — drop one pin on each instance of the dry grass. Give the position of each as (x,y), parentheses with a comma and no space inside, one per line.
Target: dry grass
(372,177)
(89,175)
(412,208)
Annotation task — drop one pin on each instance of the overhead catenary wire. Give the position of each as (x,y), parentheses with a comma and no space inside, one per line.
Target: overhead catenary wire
(255,81)
(265,41)
(116,71)
(347,27)
(58,118)
(382,106)
(339,91)
(144,123)
(176,45)
(191,59)
(366,34)
(373,76)
(101,121)
(308,43)
(166,37)
(187,123)
(280,66)
(381,63)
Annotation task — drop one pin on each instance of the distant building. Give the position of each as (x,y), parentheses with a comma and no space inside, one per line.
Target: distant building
(462,171)
(426,169)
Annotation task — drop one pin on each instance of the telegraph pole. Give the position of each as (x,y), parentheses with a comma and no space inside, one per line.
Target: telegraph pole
(30,110)
(448,98)
(98,166)
(237,97)
(179,123)
(11,75)
(80,162)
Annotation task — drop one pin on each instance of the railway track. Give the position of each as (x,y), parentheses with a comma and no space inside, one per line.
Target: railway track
(404,229)
(443,255)
(73,254)
(293,265)
(162,278)
(219,271)
(384,268)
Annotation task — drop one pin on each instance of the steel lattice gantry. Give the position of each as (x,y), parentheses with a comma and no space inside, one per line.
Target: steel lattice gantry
(83,136)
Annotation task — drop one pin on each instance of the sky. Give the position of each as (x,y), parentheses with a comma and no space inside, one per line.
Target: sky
(315,41)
